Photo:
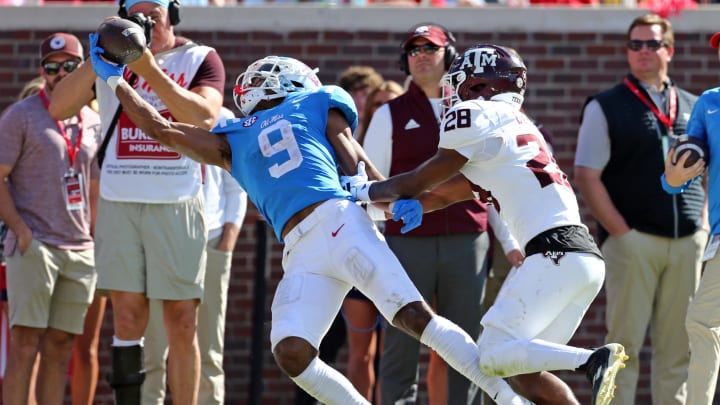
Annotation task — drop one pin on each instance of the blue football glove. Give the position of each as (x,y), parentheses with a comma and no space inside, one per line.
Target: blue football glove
(110,72)
(410,212)
(358,185)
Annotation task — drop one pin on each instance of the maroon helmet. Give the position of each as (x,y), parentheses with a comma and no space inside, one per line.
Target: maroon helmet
(484,71)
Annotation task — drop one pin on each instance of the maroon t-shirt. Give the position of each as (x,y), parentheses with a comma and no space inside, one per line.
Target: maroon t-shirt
(211,72)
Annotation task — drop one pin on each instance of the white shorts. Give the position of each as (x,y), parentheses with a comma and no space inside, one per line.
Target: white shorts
(544,300)
(333,249)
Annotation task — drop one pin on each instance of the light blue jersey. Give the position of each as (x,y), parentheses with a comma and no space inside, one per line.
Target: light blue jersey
(705,124)
(282,157)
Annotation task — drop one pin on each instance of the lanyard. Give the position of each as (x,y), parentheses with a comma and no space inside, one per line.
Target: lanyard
(667,120)
(72,150)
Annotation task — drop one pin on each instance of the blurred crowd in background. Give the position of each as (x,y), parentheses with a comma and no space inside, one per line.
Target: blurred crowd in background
(662,7)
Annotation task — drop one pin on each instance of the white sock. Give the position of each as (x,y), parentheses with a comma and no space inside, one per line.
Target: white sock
(327,385)
(125,343)
(461,353)
(524,356)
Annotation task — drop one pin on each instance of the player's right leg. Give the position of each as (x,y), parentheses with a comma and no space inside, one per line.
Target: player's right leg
(304,306)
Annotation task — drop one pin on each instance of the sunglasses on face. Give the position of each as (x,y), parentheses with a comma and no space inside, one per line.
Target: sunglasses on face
(427,49)
(652,44)
(52,68)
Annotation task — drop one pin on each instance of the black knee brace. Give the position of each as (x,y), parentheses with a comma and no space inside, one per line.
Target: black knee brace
(128,374)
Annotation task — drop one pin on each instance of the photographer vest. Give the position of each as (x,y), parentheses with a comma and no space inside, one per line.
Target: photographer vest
(136,167)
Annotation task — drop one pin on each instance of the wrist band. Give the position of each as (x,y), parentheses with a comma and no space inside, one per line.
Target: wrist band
(363,193)
(114,81)
(668,188)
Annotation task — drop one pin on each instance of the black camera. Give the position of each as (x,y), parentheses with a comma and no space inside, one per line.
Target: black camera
(146,22)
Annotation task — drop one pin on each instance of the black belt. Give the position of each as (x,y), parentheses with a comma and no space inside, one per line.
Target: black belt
(568,238)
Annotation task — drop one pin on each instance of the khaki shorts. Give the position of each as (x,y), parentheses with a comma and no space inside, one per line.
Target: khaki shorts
(155,249)
(50,288)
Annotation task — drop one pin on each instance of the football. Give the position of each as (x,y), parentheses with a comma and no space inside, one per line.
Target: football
(688,144)
(122,40)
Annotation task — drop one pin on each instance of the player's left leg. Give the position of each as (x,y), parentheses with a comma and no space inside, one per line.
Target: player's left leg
(537,311)
(527,328)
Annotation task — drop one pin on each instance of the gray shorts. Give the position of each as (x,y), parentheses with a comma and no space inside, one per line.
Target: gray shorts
(50,288)
(155,249)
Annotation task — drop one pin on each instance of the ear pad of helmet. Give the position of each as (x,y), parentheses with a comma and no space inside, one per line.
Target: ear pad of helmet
(403,62)
(173,11)
(450,54)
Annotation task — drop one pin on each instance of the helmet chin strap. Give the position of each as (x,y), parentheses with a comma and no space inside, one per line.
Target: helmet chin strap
(515,99)
(269,97)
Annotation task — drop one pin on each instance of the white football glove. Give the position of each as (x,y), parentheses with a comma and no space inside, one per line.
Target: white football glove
(358,185)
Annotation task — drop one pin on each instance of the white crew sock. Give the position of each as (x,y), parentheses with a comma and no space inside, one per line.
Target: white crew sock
(461,353)
(126,343)
(327,385)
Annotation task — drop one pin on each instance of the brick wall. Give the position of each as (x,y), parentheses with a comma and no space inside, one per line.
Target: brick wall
(570,56)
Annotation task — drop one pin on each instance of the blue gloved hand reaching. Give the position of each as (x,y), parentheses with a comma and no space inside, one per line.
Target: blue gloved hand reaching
(110,72)
(410,212)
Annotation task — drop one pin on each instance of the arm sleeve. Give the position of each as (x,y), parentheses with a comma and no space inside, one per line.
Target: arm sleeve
(235,200)
(378,147)
(501,230)
(378,140)
(593,144)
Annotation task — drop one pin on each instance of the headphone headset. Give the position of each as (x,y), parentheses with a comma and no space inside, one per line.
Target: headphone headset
(173,11)
(450,52)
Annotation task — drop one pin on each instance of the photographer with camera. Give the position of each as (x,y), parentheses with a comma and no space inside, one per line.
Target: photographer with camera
(150,229)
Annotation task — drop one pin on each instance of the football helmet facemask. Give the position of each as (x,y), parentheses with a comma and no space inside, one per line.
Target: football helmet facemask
(484,71)
(270,78)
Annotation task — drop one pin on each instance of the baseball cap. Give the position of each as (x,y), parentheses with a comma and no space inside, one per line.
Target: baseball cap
(61,42)
(715,40)
(432,33)
(130,3)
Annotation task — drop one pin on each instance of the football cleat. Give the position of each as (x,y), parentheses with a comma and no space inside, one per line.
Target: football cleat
(601,369)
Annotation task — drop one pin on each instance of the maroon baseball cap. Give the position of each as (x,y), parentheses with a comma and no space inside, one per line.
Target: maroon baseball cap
(61,42)
(432,33)
(715,40)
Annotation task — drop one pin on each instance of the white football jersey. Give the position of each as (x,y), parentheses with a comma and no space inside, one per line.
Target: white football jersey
(508,156)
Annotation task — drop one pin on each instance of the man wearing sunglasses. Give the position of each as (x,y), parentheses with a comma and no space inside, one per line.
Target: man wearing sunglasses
(446,257)
(652,241)
(48,202)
